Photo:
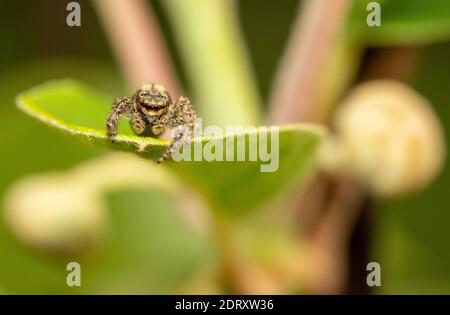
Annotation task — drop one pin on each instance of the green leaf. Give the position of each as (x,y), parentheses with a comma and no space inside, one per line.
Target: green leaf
(216,60)
(403,22)
(80,110)
(239,187)
(150,250)
(117,215)
(230,186)
(411,233)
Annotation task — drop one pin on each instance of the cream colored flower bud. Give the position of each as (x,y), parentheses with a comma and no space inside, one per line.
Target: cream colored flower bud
(66,212)
(390,137)
(49,212)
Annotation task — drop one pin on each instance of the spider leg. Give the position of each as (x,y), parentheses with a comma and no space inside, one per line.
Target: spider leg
(120,105)
(137,121)
(123,106)
(181,114)
(183,108)
(174,145)
(157,129)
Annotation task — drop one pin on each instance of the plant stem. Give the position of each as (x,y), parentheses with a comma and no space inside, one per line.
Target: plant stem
(396,63)
(137,43)
(216,61)
(239,275)
(335,221)
(316,70)
(298,83)
(233,269)
(329,241)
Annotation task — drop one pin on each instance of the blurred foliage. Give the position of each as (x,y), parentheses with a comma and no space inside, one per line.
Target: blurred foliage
(224,92)
(51,151)
(266,28)
(411,233)
(151,250)
(147,251)
(123,257)
(80,110)
(237,187)
(402,22)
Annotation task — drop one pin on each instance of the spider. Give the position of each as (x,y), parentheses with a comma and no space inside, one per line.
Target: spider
(152,107)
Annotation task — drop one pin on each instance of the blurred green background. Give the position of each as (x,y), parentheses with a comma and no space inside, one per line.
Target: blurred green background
(411,235)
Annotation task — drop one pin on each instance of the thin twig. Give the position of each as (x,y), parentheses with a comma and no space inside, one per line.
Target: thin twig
(397,63)
(329,242)
(296,84)
(217,65)
(296,93)
(239,275)
(329,236)
(137,43)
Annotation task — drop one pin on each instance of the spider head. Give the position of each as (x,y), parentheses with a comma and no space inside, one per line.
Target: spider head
(153,99)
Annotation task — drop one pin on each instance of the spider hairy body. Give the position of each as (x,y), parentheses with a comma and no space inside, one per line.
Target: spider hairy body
(152,107)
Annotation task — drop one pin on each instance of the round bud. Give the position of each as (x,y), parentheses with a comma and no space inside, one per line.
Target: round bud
(49,212)
(389,136)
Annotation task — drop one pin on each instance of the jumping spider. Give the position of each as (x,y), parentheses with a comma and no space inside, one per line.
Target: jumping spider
(151,106)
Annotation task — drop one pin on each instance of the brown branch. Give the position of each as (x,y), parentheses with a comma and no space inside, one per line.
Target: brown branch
(137,43)
(239,275)
(293,100)
(328,244)
(397,63)
(297,82)
(329,235)
(332,207)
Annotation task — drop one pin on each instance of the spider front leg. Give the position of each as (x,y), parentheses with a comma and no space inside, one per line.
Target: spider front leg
(158,129)
(185,112)
(123,106)
(182,117)
(174,145)
(137,121)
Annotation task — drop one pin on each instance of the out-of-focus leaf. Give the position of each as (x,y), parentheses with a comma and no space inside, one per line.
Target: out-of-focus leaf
(82,111)
(411,234)
(230,186)
(150,250)
(20,266)
(240,187)
(403,22)
(144,243)
(32,147)
(216,61)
